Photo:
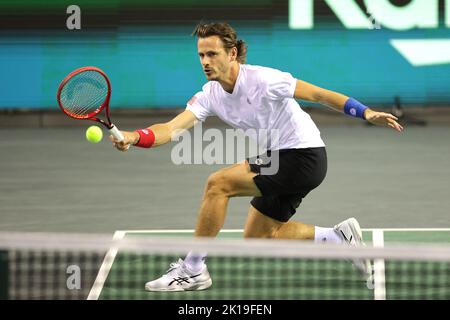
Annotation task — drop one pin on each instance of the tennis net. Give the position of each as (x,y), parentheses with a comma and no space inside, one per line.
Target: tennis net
(82,266)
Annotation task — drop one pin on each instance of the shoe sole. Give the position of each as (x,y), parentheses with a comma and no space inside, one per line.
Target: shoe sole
(200,286)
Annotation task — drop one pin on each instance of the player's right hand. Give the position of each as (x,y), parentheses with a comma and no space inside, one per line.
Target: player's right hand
(383,119)
(130,138)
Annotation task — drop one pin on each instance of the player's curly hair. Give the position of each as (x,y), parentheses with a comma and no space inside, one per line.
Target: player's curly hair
(226,33)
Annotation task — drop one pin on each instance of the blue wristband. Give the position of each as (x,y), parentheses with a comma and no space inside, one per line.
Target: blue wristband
(354,108)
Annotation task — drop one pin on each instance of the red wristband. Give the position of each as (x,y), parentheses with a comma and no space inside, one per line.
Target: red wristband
(146,138)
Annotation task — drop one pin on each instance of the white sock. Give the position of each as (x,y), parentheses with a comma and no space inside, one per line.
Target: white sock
(195,261)
(326,235)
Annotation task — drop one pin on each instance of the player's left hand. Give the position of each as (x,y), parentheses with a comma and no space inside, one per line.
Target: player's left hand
(383,119)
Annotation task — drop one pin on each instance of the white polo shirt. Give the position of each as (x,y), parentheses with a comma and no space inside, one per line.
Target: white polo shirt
(261,102)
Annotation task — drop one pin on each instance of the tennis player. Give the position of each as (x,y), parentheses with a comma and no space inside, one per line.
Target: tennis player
(249,96)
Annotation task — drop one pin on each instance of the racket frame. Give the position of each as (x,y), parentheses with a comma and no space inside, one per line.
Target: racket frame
(92,116)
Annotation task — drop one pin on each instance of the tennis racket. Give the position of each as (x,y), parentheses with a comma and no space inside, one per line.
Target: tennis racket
(84,93)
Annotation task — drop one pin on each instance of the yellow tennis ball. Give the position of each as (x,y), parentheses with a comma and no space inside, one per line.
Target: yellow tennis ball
(94,134)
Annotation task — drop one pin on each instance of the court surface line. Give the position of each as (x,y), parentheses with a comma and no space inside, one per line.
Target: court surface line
(379,276)
(176,231)
(412,229)
(241,230)
(107,263)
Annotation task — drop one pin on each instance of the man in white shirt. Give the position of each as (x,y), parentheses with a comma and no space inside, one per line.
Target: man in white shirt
(253,97)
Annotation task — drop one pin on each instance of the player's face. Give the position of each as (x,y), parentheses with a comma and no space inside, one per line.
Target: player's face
(215,60)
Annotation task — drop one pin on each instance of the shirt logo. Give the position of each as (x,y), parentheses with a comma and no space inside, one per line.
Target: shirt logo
(192,100)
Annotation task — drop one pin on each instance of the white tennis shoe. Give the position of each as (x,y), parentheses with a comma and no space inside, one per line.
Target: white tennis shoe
(351,234)
(179,278)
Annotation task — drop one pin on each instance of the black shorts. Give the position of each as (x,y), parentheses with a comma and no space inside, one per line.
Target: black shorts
(299,172)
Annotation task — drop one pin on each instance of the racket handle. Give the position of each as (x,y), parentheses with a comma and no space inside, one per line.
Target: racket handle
(116,133)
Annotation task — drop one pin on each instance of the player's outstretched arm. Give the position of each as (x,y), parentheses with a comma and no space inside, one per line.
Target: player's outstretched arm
(342,103)
(157,134)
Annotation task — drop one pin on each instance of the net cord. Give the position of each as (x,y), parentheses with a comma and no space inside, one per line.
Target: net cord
(232,247)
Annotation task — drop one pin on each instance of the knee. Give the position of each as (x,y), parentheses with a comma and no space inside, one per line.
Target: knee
(218,185)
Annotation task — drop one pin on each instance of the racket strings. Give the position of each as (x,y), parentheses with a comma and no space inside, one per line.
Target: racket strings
(84,99)
(92,97)
(83,104)
(84,93)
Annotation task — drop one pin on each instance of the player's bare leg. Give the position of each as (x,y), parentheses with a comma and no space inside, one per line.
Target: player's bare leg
(233,181)
(260,226)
